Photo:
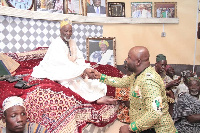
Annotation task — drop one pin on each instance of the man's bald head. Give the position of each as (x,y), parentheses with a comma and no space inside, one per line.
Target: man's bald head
(138,59)
(140,52)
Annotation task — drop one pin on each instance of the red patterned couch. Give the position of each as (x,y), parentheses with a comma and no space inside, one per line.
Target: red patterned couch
(53,105)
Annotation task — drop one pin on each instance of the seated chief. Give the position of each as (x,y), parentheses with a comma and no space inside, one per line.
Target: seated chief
(64,63)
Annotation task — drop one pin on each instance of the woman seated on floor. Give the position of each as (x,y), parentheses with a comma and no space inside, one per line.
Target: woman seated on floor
(187,108)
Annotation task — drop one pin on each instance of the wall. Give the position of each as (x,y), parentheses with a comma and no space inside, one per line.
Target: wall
(178,45)
(24,34)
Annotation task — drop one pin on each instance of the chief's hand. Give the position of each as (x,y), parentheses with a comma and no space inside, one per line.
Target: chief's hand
(88,72)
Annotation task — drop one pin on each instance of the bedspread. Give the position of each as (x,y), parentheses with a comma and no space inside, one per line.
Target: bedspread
(55,106)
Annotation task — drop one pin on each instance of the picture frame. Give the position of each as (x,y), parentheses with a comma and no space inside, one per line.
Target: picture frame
(104,55)
(91,9)
(75,7)
(25,5)
(52,6)
(141,9)
(165,9)
(116,9)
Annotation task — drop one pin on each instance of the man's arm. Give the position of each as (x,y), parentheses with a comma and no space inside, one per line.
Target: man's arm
(195,118)
(113,81)
(173,83)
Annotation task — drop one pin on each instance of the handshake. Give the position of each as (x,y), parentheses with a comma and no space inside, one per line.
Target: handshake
(91,74)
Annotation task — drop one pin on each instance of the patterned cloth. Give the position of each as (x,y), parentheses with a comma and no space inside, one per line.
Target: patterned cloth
(148,101)
(186,105)
(122,94)
(30,128)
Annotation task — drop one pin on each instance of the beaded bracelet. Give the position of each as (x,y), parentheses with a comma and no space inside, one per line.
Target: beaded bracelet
(134,127)
(103,77)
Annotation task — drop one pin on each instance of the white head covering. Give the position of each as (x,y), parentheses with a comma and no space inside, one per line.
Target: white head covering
(12,101)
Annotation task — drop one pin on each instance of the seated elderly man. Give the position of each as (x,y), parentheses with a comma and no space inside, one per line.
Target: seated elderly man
(65,64)
(14,115)
(160,67)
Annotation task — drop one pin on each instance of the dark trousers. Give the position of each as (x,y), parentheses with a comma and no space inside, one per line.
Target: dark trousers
(152,130)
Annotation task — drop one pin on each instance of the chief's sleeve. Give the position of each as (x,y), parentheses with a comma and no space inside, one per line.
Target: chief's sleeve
(153,104)
(118,82)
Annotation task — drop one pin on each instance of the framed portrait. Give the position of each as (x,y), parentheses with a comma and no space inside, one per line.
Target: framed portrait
(165,9)
(96,8)
(141,9)
(22,4)
(58,6)
(116,9)
(101,50)
(74,6)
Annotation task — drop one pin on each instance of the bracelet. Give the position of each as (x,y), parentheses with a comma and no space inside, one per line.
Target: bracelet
(102,78)
(134,127)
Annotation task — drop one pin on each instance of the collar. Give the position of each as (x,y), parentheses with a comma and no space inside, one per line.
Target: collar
(140,73)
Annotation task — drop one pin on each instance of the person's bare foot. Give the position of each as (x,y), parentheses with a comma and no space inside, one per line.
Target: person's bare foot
(106,100)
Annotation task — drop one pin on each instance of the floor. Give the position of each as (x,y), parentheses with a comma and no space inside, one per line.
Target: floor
(115,127)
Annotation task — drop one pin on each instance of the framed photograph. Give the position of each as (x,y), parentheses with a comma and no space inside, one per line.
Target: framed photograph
(58,6)
(101,50)
(141,9)
(96,8)
(116,9)
(20,4)
(75,6)
(165,9)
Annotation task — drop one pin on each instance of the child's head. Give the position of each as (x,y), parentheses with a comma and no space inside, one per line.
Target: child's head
(14,114)
(194,86)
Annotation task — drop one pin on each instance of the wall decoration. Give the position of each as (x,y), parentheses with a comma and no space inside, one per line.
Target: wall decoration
(141,9)
(21,4)
(58,6)
(75,6)
(165,9)
(116,9)
(96,8)
(101,50)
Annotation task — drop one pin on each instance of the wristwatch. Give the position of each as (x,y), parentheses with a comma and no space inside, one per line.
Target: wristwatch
(20,4)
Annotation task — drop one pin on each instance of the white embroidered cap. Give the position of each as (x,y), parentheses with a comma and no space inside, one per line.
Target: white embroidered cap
(12,101)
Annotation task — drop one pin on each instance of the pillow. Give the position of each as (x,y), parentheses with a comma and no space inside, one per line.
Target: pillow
(35,54)
(10,63)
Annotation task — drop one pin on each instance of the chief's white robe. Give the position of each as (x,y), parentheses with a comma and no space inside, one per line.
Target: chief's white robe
(60,66)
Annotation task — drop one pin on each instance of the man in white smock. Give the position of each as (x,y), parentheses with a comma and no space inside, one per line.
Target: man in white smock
(65,63)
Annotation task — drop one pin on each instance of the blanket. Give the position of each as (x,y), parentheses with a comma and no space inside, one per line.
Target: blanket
(53,105)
